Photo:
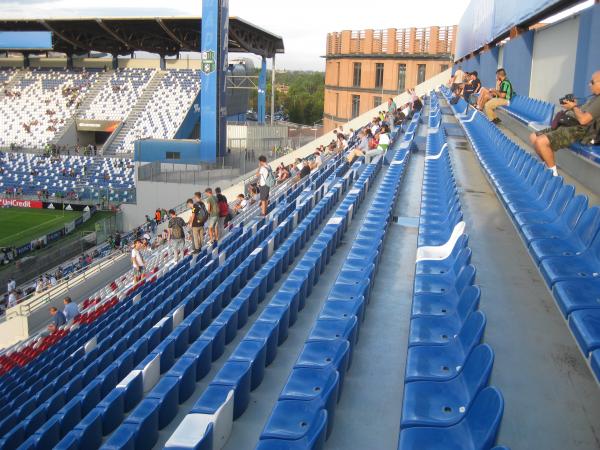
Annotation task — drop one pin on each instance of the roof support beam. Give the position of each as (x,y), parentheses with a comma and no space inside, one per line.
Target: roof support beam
(114,35)
(71,42)
(170,33)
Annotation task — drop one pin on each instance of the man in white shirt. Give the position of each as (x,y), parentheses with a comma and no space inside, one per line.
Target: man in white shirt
(12,285)
(264,175)
(137,260)
(12,298)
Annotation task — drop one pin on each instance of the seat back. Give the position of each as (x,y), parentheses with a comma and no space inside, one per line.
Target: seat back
(483,418)
(588,226)
(574,210)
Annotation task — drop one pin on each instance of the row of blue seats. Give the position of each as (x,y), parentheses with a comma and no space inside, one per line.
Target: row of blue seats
(534,113)
(20,378)
(560,231)
(228,395)
(304,415)
(168,375)
(116,343)
(446,403)
(22,383)
(187,281)
(110,412)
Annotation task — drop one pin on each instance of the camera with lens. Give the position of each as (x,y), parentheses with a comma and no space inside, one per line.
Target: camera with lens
(567,98)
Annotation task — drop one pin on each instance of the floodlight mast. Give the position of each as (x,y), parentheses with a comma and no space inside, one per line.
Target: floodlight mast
(213,100)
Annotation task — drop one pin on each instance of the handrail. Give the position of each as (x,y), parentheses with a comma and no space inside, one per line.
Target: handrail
(34,300)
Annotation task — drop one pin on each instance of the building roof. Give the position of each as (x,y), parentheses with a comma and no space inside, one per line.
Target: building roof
(162,35)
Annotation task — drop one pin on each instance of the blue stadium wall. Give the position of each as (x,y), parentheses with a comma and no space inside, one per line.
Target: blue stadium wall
(546,63)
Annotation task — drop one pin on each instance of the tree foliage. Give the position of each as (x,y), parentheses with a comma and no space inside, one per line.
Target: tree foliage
(303,101)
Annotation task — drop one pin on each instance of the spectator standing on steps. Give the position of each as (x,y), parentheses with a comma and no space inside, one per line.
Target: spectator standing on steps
(197,220)
(213,216)
(70,310)
(223,210)
(266,180)
(137,260)
(176,234)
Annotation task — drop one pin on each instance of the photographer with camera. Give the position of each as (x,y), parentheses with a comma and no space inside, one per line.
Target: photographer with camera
(573,124)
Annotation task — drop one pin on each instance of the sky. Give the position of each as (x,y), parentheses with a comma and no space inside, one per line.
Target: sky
(303,24)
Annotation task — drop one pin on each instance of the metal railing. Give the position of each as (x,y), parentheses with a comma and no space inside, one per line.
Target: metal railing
(35,301)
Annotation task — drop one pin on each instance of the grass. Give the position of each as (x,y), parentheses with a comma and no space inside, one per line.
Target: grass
(19,226)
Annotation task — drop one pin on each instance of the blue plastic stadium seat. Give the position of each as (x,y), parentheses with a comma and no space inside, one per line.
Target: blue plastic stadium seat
(577,241)
(573,295)
(476,431)
(254,352)
(303,423)
(585,324)
(584,265)
(536,113)
(235,375)
(309,384)
(441,404)
(442,362)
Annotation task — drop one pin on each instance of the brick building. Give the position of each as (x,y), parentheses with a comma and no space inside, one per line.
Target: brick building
(366,67)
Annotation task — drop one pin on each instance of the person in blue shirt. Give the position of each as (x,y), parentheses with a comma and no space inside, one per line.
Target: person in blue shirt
(58,319)
(71,309)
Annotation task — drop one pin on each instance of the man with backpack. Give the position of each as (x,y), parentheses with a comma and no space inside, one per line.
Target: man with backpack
(176,234)
(266,180)
(197,220)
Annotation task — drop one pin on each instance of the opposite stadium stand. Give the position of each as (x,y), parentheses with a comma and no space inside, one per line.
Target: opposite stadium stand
(119,95)
(558,228)
(165,110)
(92,178)
(39,104)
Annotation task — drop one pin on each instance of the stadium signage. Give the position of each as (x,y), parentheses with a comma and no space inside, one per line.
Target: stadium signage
(107,126)
(209,63)
(21,203)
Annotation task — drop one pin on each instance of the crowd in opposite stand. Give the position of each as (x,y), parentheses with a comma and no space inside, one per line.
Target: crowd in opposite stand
(572,124)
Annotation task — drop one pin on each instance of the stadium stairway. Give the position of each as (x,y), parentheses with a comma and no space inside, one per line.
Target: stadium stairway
(101,353)
(537,361)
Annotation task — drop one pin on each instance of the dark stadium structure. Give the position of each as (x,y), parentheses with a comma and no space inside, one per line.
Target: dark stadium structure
(166,36)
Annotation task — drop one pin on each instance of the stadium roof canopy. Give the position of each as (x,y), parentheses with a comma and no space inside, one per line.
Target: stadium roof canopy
(163,35)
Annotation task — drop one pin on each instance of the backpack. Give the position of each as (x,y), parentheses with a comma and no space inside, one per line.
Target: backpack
(270,178)
(202,214)
(223,208)
(177,229)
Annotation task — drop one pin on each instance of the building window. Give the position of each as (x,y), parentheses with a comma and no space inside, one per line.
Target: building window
(444,67)
(173,155)
(338,74)
(379,75)
(357,75)
(337,105)
(355,106)
(376,102)
(401,77)
(420,73)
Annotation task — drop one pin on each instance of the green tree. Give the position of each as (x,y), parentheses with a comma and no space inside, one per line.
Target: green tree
(303,102)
